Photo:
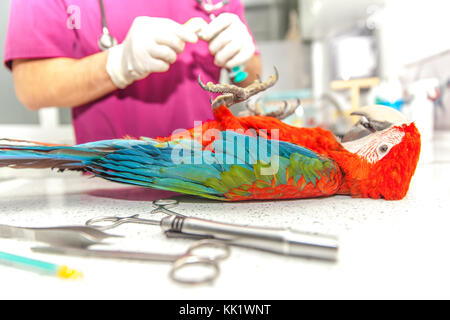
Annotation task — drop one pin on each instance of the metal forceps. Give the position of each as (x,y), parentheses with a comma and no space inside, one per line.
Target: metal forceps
(277,240)
(209,263)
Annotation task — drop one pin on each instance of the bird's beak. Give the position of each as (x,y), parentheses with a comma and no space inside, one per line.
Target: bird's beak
(373,119)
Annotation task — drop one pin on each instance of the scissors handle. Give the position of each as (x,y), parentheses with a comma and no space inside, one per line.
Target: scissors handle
(209,262)
(179,267)
(104,223)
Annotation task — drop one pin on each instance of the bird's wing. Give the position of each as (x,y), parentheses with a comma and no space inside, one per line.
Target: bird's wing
(237,167)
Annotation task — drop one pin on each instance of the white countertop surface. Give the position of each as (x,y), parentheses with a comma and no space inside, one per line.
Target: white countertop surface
(388,249)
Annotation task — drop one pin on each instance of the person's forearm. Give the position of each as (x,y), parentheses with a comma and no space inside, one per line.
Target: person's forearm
(61,82)
(254,70)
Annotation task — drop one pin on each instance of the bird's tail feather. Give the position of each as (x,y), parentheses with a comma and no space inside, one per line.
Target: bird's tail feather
(145,163)
(27,154)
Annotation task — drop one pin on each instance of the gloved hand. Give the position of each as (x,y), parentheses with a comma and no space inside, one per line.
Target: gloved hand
(229,40)
(151,45)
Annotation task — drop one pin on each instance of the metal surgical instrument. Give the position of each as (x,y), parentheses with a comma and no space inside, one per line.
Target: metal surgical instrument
(71,236)
(191,257)
(278,240)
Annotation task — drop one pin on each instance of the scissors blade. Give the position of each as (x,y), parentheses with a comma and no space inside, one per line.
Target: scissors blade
(180,261)
(72,236)
(108,254)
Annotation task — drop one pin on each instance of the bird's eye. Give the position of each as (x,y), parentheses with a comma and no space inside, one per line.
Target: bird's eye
(383,148)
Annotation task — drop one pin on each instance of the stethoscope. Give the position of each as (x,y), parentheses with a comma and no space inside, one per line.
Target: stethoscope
(107,41)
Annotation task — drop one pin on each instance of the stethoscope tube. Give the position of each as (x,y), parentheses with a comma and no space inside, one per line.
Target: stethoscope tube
(106,41)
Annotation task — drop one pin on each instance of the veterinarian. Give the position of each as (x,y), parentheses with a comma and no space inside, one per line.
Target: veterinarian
(126,68)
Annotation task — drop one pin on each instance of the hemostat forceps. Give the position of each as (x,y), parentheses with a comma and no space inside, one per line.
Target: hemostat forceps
(277,240)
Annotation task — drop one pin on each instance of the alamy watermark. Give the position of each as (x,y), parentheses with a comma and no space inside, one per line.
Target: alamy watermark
(74,17)
(231,147)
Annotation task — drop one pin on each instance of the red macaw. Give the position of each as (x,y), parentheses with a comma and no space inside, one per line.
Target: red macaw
(377,159)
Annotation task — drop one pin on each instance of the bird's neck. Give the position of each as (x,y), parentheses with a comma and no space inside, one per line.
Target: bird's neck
(354,170)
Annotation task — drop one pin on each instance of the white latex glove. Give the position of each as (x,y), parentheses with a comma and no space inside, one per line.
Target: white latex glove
(229,41)
(151,45)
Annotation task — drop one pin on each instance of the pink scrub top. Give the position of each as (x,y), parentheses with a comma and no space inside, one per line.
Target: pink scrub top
(152,107)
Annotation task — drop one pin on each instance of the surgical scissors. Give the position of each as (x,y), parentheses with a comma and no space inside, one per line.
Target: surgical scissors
(181,261)
(278,240)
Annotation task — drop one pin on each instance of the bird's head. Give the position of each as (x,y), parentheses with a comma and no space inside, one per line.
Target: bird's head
(389,146)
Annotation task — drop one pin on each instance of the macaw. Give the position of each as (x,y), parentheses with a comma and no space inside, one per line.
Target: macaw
(246,158)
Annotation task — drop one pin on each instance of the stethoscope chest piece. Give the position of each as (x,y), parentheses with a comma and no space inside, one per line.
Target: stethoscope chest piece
(106,41)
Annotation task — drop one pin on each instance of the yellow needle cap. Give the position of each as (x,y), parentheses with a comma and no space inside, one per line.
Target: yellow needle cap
(67,273)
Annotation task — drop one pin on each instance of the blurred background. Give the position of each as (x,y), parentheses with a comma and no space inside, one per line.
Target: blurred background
(332,55)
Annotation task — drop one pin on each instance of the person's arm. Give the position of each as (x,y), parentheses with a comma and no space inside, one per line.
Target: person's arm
(151,45)
(61,82)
